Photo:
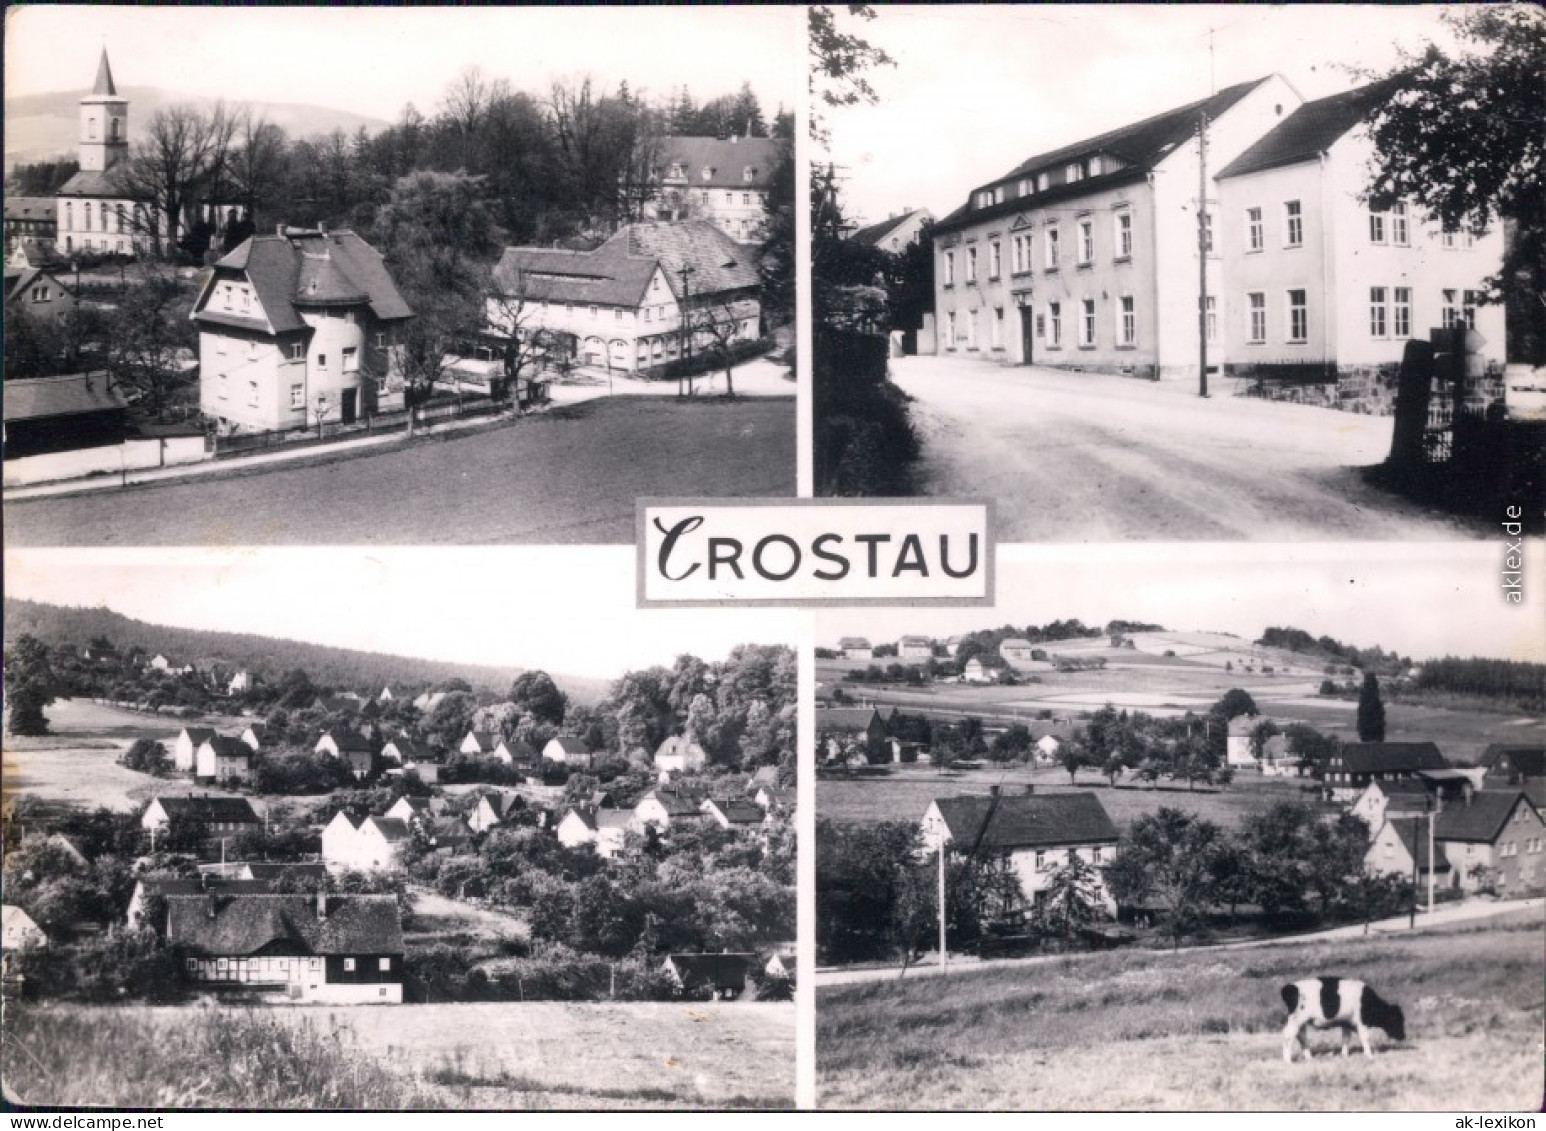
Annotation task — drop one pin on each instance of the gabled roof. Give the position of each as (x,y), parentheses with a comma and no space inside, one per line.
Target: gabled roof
(1389,757)
(283,924)
(738,812)
(226,747)
(569,744)
(711,970)
(199,735)
(872,234)
(31,208)
(853,642)
(1413,834)
(582,813)
(503,804)
(613,818)
(209,810)
(727,157)
(1308,132)
(309,267)
(410,750)
(37,398)
(1141,146)
(618,273)
(1515,760)
(89,183)
(347,741)
(845,718)
(485,742)
(390,828)
(1013,642)
(680,744)
(912,641)
(449,828)
(675,804)
(1480,820)
(519,749)
(1042,820)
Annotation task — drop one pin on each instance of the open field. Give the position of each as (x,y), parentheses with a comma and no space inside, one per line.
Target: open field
(78,763)
(1196,1030)
(488,1056)
(569,475)
(905,793)
(1174,687)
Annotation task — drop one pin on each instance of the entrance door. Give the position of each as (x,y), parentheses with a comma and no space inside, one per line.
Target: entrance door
(1027,334)
(351,405)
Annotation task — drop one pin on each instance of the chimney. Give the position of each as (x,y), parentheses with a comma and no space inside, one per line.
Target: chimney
(1030,788)
(992,791)
(322,905)
(209,905)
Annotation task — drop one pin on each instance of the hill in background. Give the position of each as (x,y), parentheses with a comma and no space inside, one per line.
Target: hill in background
(41,127)
(269,657)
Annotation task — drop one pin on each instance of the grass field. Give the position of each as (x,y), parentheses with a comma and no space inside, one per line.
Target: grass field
(1198,1030)
(78,763)
(569,475)
(905,793)
(1173,687)
(486,1056)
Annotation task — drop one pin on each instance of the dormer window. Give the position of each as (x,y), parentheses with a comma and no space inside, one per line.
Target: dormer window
(749,174)
(1026,187)
(1073,172)
(1097,166)
(708,172)
(1043,180)
(677,171)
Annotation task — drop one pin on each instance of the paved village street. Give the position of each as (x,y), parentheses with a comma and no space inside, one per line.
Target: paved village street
(1082,457)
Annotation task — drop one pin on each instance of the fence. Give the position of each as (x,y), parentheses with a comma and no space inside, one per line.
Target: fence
(246,443)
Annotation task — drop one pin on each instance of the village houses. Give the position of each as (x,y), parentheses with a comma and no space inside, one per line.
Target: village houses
(211,816)
(373,844)
(644,297)
(299,328)
(680,754)
(724,181)
(896,233)
(1034,833)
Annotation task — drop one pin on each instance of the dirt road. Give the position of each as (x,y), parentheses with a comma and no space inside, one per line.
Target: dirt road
(1076,457)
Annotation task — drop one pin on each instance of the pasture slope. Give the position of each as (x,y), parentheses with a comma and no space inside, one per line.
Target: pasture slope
(1197,1031)
(500,1057)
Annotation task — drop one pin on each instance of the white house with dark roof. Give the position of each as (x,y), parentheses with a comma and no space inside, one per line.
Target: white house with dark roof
(623,304)
(185,747)
(567,750)
(855,648)
(896,233)
(373,844)
(300,324)
(95,211)
(1035,833)
(478,744)
(213,816)
(722,180)
(223,759)
(338,949)
(1085,257)
(682,754)
(914,648)
(1318,282)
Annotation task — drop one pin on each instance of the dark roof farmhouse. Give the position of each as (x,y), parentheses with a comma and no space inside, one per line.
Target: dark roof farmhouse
(1016,821)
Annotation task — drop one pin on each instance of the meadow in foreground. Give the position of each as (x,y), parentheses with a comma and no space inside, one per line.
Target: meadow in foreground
(1196,1031)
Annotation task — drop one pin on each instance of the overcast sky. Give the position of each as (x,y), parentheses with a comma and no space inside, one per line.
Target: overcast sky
(1422,600)
(978,89)
(374,60)
(563,609)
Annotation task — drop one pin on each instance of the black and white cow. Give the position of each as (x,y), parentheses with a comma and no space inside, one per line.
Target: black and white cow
(1343,1002)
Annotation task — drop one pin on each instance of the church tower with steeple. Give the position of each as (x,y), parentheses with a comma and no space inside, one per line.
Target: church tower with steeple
(104,140)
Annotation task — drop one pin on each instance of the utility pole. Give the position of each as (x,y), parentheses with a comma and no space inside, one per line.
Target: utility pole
(944,963)
(1430,853)
(1202,255)
(1411,919)
(686,351)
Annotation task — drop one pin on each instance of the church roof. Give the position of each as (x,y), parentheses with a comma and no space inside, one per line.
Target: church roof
(104,84)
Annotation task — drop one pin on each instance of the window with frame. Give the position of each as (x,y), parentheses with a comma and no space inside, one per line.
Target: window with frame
(994,259)
(996,328)
(1378,327)
(1054,325)
(1086,241)
(1041,860)
(950,329)
(1043,181)
(322,361)
(297,396)
(971,329)
(950,268)
(1124,232)
(1052,248)
(1253,229)
(383,964)
(1257,302)
(351,359)
(1026,187)
(1468,308)
(252,394)
(1073,172)
(1449,312)
(349,965)
(1401,312)
(1207,233)
(1211,318)
(1376,227)
(1127,321)
(983,198)
(1298,316)
(971,265)
(1447,239)
(1293,224)
(1087,322)
(1400,230)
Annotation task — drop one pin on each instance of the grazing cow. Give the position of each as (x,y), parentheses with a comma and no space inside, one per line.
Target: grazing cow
(1344,1002)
